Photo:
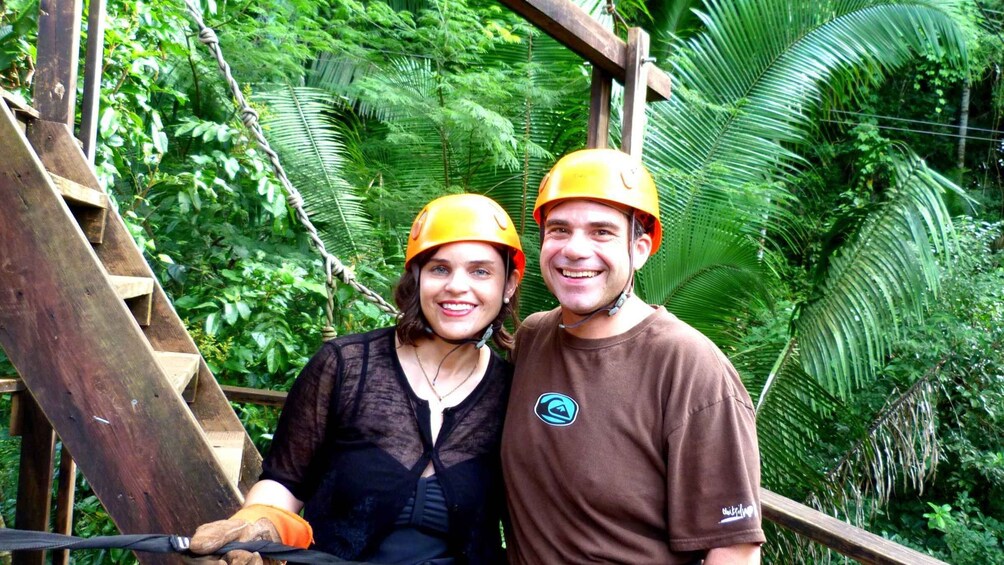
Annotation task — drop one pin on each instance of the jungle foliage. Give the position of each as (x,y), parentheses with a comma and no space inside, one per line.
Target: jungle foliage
(823,224)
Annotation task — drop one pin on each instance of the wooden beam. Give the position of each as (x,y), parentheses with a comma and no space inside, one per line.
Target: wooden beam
(92,76)
(60,154)
(633,127)
(66,493)
(55,89)
(856,543)
(598,132)
(572,27)
(257,396)
(10,385)
(34,481)
(90,367)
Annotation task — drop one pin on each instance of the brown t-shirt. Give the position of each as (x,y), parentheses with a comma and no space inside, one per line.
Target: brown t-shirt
(638,448)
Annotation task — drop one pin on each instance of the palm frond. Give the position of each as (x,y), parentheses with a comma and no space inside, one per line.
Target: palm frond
(704,275)
(884,273)
(787,424)
(901,443)
(746,87)
(311,148)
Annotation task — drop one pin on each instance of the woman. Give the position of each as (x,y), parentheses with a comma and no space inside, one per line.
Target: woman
(389,440)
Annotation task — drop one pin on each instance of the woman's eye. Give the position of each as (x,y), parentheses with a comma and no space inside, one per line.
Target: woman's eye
(439,270)
(482,273)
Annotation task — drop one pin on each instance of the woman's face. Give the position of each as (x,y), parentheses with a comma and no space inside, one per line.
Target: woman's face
(461,288)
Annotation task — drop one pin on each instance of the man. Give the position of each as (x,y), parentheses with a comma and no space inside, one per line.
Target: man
(629,436)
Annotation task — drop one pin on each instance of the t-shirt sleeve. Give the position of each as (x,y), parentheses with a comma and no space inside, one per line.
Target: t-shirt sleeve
(303,423)
(713,465)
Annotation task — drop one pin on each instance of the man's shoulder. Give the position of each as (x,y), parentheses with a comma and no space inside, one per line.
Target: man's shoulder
(534,322)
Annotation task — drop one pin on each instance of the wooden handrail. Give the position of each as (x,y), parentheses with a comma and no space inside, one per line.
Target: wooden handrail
(856,543)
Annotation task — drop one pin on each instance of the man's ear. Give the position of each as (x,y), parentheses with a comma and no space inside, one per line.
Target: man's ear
(642,249)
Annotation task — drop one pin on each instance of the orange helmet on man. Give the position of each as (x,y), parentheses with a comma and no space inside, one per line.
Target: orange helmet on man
(608,176)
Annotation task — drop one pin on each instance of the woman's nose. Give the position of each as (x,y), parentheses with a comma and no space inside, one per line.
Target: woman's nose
(457,282)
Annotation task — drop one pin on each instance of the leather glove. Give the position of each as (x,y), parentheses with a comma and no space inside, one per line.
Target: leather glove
(257,522)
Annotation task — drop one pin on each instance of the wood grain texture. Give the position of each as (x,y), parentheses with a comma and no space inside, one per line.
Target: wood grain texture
(573,28)
(859,544)
(56,148)
(90,367)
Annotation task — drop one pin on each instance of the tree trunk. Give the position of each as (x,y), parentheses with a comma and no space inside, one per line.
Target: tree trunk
(960,155)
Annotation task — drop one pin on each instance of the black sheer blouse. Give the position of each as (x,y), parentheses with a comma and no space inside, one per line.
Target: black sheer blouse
(353,440)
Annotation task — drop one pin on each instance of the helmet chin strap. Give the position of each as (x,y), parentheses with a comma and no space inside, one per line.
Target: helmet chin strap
(615,306)
(610,309)
(478,342)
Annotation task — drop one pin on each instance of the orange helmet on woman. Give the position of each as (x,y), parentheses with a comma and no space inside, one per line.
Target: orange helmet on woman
(464,217)
(608,176)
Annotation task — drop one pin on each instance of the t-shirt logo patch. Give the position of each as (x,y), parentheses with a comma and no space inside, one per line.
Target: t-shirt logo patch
(556,409)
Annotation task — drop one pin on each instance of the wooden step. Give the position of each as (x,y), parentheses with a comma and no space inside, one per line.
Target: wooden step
(79,194)
(137,293)
(229,449)
(23,113)
(88,205)
(180,368)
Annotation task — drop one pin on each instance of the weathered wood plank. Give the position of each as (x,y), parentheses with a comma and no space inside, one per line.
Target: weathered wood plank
(842,537)
(34,481)
(257,396)
(77,193)
(90,367)
(65,495)
(57,149)
(18,105)
(180,368)
(572,27)
(228,448)
(62,157)
(131,287)
(90,106)
(633,128)
(55,88)
(598,130)
(11,385)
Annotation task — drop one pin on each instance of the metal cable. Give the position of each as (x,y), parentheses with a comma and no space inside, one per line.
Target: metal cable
(332,265)
(30,540)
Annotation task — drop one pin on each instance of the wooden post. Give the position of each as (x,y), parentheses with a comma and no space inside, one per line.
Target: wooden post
(571,26)
(55,99)
(92,77)
(56,75)
(598,136)
(633,127)
(34,482)
(65,495)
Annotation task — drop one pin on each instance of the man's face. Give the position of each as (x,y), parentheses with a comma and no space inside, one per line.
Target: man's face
(584,254)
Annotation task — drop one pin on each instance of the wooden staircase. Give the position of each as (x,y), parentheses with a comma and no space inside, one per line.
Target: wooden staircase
(100,348)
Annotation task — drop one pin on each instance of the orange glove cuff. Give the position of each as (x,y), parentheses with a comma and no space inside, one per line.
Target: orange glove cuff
(294,530)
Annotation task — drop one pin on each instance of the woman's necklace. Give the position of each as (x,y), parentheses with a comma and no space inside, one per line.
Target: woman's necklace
(432,382)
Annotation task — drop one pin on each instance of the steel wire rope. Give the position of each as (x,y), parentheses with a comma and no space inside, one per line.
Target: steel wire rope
(332,265)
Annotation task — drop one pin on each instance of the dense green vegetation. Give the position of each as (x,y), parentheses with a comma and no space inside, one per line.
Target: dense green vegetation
(823,224)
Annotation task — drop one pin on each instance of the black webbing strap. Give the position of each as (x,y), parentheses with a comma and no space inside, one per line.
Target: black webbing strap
(17,540)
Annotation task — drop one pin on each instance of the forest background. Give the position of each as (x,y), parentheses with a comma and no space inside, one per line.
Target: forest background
(830,177)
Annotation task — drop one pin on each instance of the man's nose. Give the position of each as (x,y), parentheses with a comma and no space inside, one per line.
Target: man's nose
(577,246)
